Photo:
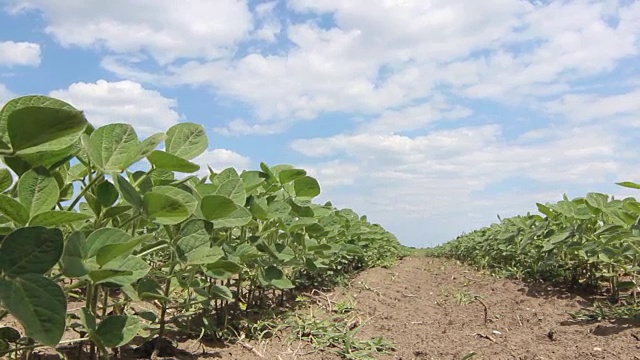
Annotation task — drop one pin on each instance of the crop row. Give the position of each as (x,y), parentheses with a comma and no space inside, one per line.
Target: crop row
(590,242)
(103,219)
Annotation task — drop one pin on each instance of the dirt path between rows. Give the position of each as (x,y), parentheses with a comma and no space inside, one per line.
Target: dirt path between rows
(435,309)
(428,308)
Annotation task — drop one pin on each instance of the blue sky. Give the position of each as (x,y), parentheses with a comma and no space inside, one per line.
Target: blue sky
(431,117)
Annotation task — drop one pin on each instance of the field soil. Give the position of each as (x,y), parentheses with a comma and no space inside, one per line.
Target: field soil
(439,309)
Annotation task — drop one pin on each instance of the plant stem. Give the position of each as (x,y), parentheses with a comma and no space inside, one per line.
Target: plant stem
(82,192)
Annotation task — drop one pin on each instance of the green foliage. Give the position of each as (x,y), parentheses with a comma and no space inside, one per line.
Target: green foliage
(79,221)
(588,242)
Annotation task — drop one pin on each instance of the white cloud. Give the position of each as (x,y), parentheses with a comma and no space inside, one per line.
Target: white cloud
(448,171)
(166,29)
(589,107)
(107,102)
(5,95)
(239,127)
(220,159)
(19,53)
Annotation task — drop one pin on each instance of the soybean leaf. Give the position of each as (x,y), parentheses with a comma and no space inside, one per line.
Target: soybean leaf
(88,319)
(9,334)
(24,102)
(128,192)
(166,161)
(107,194)
(149,144)
(221,292)
(186,140)
(187,199)
(196,249)
(131,270)
(114,251)
(225,175)
(14,210)
(240,217)
(307,187)
(73,265)
(114,147)
(57,218)
(233,189)
(106,275)
(42,129)
(278,209)
(275,277)
(289,175)
(38,191)
(629,184)
(118,330)
(30,250)
(223,269)
(164,209)
(103,237)
(39,305)
(215,207)
(5,179)
(149,288)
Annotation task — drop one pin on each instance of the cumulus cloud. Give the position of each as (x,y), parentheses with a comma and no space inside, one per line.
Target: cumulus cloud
(126,101)
(220,159)
(5,95)
(167,30)
(239,127)
(19,53)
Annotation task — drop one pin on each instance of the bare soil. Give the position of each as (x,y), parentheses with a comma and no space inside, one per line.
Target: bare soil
(438,309)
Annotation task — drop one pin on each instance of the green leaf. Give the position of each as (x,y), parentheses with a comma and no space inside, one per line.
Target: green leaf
(128,192)
(223,269)
(307,187)
(57,218)
(166,161)
(196,249)
(5,179)
(114,251)
(40,129)
(118,330)
(114,147)
(186,140)
(233,189)
(106,275)
(107,194)
(39,305)
(278,209)
(164,209)
(103,237)
(73,265)
(31,250)
(289,175)
(215,207)
(629,184)
(88,319)
(240,217)
(38,191)
(131,270)
(25,102)
(221,292)
(9,334)
(14,210)
(149,144)
(275,277)
(187,199)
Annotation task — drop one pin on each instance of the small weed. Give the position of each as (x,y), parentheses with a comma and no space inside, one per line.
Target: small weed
(463,297)
(338,334)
